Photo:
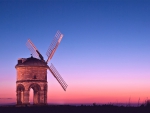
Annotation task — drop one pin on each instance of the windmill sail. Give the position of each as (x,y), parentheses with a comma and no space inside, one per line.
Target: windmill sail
(34,53)
(58,77)
(34,50)
(52,48)
(52,66)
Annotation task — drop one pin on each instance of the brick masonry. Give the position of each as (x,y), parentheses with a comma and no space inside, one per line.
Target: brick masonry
(31,73)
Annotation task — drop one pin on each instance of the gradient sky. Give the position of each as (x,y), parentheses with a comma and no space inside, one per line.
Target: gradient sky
(104,55)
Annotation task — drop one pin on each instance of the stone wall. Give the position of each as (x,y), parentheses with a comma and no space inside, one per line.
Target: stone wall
(31,73)
(31,77)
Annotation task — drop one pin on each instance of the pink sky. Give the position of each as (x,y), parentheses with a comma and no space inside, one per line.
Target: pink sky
(105,91)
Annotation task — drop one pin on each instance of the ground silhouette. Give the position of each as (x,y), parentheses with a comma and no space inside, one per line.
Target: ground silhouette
(75,109)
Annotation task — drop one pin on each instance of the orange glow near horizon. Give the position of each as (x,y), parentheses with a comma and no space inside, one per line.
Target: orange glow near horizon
(82,92)
(83,96)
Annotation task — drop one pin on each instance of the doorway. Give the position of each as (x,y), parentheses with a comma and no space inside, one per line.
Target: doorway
(34,94)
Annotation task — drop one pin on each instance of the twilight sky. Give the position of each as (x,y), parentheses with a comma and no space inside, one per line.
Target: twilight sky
(104,55)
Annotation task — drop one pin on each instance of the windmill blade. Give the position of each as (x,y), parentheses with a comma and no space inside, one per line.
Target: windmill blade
(34,50)
(58,77)
(34,53)
(60,82)
(57,73)
(52,48)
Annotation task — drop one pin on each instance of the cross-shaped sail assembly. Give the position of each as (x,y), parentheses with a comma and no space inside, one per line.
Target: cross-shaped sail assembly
(50,52)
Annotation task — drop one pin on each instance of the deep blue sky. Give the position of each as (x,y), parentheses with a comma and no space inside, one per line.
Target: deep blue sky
(103,40)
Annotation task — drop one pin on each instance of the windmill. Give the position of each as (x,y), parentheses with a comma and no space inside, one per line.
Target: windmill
(50,52)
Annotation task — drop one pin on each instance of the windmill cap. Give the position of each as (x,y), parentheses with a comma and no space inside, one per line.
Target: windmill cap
(34,62)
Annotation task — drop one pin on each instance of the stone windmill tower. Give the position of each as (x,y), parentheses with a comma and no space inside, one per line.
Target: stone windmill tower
(32,73)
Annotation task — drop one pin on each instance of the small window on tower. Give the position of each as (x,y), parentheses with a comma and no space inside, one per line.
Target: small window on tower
(34,76)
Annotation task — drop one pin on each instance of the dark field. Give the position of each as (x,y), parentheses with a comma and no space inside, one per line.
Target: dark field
(74,109)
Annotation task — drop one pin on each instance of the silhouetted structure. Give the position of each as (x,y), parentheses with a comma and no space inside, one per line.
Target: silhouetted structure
(32,73)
